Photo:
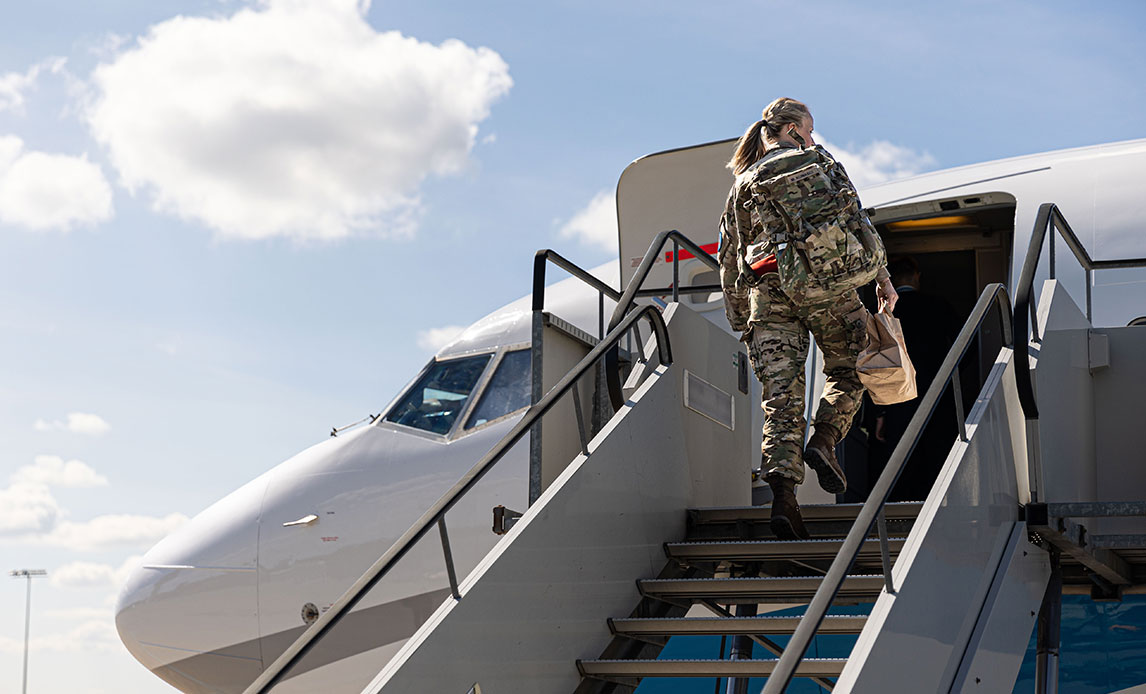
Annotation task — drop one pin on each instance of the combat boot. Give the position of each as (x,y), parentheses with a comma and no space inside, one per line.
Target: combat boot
(787,523)
(820,455)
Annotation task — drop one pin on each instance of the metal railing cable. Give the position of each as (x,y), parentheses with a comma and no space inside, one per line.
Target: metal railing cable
(634,290)
(436,514)
(872,510)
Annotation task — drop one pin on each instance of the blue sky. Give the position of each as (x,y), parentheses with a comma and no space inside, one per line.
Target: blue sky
(142,298)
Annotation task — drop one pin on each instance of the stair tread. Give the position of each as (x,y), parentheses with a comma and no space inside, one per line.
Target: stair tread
(753,618)
(809,667)
(745,579)
(778,549)
(764,624)
(744,590)
(815,541)
(898,510)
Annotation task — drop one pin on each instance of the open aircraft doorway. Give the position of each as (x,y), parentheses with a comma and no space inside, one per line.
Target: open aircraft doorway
(959,245)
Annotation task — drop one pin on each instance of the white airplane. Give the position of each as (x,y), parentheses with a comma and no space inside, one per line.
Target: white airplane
(217,601)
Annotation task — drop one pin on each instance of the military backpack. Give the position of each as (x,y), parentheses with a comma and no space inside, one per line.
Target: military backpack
(825,244)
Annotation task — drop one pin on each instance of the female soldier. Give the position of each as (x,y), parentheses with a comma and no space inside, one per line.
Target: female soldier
(794,244)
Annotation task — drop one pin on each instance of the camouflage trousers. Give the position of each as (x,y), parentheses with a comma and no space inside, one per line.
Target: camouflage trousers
(778,350)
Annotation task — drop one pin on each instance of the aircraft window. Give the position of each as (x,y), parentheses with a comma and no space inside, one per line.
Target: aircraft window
(706,277)
(508,390)
(436,400)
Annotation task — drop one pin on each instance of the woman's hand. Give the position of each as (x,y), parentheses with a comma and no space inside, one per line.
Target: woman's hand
(886,294)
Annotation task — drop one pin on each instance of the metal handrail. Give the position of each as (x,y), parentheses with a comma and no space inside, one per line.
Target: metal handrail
(436,514)
(537,335)
(547,255)
(994,294)
(537,331)
(1049,215)
(626,302)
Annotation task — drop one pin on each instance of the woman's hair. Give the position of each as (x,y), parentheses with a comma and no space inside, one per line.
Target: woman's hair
(776,115)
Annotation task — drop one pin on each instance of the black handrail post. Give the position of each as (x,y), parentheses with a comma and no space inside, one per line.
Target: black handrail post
(538,332)
(451,573)
(1035,337)
(884,550)
(957,391)
(600,315)
(537,336)
(1089,283)
(580,420)
(601,407)
(640,344)
(675,271)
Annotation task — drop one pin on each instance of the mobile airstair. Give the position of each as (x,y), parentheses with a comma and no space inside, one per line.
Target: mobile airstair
(646,531)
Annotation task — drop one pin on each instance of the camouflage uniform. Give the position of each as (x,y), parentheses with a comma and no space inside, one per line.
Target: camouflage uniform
(776,331)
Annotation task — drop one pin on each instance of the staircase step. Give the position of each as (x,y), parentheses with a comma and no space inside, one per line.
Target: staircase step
(757,590)
(900,510)
(700,626)
(603,669)
(772,549)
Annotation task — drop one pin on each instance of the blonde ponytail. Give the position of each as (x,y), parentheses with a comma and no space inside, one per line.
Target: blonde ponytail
(748,149)
(776,115)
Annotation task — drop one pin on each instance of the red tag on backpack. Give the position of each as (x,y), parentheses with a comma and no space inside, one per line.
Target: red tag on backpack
(764,265)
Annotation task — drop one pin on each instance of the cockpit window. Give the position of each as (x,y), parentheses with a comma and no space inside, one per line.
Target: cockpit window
(508,390)
(436,400)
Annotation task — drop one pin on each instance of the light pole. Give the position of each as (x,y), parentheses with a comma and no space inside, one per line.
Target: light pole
(27,574)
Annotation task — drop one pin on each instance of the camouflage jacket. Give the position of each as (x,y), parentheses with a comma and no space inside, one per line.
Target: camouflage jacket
(744,223)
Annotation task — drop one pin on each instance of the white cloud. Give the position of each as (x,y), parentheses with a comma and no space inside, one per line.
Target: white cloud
(53,471)
(29,514)
(300,120)
(434,339)
(27,509)
(91,635)
(113,530)
(596,224)
(82,612)
(42,191)
(880,161)
(77,423)
(14,84)
(85,574)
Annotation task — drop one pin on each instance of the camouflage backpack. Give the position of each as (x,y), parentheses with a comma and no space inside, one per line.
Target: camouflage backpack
(824,244)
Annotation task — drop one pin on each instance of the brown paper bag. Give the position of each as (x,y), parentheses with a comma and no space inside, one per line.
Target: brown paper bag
(884,366)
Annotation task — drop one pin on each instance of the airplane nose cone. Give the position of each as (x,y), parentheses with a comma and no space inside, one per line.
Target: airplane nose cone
(189,611)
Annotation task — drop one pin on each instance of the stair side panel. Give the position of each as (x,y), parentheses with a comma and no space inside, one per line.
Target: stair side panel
(949,561)
(992,659)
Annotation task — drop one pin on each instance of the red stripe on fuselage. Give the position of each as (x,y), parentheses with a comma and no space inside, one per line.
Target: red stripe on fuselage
(710,249)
